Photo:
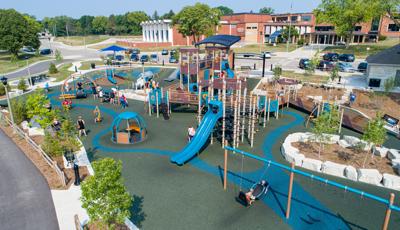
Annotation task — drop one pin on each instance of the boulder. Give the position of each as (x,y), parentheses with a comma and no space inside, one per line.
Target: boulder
(351,173)
(370,176)
(331,138)
(312,164)
(393,154)
(353,141)
(333,169)
(35,131)
(391,181)
(381,151)
(343,143)
(396,163)
(25,125)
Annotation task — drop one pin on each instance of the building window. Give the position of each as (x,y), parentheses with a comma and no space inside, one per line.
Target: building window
(166,36)
(357,28)
(282,19)
(373,82)
(294,18)
(249,27)
(306,18)
(393,28)
(375,24)
(254,27)
(324,28)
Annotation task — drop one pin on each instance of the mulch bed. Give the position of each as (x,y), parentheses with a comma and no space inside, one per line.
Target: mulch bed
(327,94)
(347,156)
(369,103)
(96,226)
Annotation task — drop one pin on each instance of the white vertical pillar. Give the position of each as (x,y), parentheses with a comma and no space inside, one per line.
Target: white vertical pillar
(165,29)
(143,32)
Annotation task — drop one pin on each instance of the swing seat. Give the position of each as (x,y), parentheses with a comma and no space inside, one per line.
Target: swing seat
(259,190)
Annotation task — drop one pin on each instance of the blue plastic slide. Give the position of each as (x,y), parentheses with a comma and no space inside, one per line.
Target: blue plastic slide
(202,133)
(225,67)
(110,76)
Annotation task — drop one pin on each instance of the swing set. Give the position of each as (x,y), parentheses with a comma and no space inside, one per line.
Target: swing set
(388,202)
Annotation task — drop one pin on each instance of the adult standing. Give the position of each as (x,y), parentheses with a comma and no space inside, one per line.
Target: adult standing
(81,126)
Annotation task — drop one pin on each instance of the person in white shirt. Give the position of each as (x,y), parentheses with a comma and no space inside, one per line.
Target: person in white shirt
(191,133)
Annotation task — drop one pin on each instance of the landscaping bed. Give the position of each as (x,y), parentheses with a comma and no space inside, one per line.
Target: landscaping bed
(347,156)
(369,103)
(326,93)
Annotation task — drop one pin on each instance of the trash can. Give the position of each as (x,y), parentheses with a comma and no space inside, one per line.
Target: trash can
(93,65)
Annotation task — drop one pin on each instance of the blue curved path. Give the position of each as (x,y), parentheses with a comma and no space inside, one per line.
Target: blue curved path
(306,211)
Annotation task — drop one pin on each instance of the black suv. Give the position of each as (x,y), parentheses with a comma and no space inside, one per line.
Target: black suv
(331,57)
(304,63)
(347,57)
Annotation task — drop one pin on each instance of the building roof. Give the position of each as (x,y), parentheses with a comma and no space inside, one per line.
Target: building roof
(223,40)
(389,56)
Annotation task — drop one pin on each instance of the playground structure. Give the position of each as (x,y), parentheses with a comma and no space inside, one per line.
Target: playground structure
(80,86)
(387,202)
(135,130)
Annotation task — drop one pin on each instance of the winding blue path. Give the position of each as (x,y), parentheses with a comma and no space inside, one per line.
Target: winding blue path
(306,211)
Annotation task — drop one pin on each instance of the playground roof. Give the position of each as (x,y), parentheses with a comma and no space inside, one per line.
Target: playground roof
(113,48)
(223,40)
(127,115)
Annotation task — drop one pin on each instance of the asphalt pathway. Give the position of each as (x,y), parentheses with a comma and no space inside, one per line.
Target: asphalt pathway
(25,198)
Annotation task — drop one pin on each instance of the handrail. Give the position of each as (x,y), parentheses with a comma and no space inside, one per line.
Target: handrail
(321,179)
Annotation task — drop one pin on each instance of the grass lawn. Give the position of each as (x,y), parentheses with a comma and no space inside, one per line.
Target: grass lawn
(7,66)
(256,48)
(360,50)
(86,64)
(63,72)
(305,78)
(82,40)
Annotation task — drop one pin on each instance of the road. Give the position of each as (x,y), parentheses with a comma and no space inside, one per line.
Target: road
(34,69)
(25,198)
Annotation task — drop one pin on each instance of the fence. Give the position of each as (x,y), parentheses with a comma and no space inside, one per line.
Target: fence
(37,148)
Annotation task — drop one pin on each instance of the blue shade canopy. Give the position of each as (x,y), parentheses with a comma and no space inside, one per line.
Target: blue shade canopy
(223,40)
(275,35)
(113,48)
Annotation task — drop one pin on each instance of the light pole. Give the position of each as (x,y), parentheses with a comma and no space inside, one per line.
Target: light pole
(290,27)
(4,81)
(29,73)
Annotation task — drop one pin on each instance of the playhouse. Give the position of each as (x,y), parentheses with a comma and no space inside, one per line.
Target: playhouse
(128,128)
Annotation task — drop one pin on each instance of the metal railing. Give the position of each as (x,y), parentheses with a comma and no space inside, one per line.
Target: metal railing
(38,149)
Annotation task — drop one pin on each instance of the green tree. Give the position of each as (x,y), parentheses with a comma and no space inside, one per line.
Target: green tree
(86,23)
(325,124)
(53,69)
(22,85)
(345,15)
(134,19)
(334,73)
(294,33)
(374,133)
(37,106)
(99,24)
(266,10)
(104,195)
(388,7)
(312,66)
(277,70)
(16,31)
(168,15)
(197,20)
(58,55)
(19,110)
(3,89)
(224,10)
(155,15)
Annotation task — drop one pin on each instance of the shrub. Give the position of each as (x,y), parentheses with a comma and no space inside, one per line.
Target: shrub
(53,69)
(58,55)
(3,89)
(301,42)
(19,110)
(22,85)
(52,146)
(382,38)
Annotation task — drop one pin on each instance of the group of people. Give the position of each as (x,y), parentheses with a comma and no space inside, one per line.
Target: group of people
(113,96)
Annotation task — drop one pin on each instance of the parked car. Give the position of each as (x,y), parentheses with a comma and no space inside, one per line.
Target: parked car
(144,58)
(119,57)
(345,67)
(154,58)
(330,56)
(45,51)
(325,65)
(340,43)
(172,52)
(28,50)
(135,51)
(164,52)
(347,57)
(266,54)
(304,63)
(362,67)
(134,57)
(172,59)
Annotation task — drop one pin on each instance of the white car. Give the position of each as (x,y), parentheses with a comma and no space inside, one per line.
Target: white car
(266,54)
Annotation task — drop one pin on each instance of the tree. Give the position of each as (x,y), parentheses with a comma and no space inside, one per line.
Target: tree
(37,106)
(197,20)
(168,15)
(374,133)
(99,24)
(86,23)
(294,33)
(266,10)
(334,73)
(312,65)
(389,85)
(3,89)
(53,69)
(58,55)
(277,73)
(388,7)
(133,20)
(155,15)
(325,124)
(224,10)
(345,15)
(104,195)
(22,85)
(19,110)
(17,31)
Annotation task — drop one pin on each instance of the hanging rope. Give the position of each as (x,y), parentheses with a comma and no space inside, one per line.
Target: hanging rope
(241,174)
(265,171)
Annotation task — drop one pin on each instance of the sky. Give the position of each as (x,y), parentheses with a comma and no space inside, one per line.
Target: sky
(77,8)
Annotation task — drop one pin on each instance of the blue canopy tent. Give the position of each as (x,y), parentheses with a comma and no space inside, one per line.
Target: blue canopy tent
(274,36)
(113,48)
(135,130)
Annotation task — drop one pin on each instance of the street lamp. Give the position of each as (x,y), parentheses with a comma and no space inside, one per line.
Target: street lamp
(4,81)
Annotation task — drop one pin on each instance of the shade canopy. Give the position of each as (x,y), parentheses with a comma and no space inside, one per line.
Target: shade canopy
(223,40)
(113,48)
